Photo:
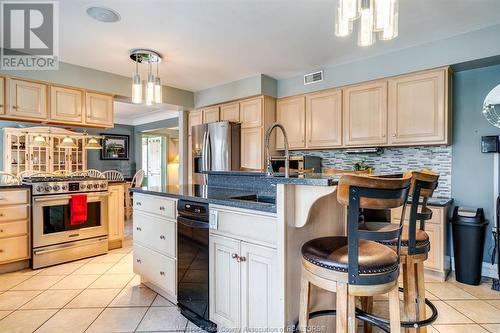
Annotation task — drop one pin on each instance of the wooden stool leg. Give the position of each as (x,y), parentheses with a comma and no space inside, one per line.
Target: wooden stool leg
(305,291)
(410,297)
(394,310)
(367,306)
(342,308)
(351,314)
(421,315)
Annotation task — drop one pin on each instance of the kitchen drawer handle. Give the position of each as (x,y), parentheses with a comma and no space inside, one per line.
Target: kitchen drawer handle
(1,230)
(162,273)
(162,208)
(138,203)
(138,229)
(138,260)
(234,256)
(243,259)
(1,250)
(1,214)
(162,237)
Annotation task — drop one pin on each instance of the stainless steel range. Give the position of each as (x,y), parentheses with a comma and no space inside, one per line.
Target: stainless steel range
(55,240)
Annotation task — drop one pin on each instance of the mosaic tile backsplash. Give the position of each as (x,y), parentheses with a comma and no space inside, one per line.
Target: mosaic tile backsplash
(395,160)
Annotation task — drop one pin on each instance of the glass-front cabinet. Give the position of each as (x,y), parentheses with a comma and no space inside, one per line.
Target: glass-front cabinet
(22,154)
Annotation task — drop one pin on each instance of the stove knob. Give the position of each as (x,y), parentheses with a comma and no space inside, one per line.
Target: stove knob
(64,187)
(103,185)
(57,187)
(82,187)
(89,186)
(39,188)
(96,186)
(48,188)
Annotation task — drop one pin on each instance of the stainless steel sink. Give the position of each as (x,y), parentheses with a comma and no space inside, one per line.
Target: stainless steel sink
(256,198)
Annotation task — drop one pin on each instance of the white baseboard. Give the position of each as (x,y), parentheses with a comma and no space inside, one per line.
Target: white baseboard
(488,270)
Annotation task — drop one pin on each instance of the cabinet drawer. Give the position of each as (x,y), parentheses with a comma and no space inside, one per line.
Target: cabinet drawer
(437,214)
(17,228)
(13,197)
(155,205)
(13,213)
(155,233)
(14,248)
(246,226)
(156,268)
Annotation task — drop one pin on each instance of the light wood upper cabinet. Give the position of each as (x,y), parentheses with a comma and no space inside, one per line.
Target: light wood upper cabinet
(195,118)
(66,104)
(252,148)
(251,113)
(418,108)
(211,115)
(230,112)
(292,115)
(27,100)
(324,119)
(99,109)
(2,95)
(365,114)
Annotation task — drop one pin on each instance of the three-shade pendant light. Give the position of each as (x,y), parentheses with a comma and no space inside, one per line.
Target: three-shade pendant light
(376,16)
(153,84)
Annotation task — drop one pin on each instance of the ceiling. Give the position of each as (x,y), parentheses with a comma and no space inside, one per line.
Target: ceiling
(210,42)
(138,114)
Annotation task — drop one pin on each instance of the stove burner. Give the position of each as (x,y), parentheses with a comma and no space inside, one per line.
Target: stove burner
(43,185)
(44,179)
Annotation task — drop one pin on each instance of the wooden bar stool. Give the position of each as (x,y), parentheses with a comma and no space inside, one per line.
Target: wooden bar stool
(356,265)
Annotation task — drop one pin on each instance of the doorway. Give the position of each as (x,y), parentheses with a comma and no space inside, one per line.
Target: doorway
(153,153)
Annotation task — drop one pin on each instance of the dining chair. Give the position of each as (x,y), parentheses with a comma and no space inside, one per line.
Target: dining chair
(138,179)
(25,173)
(94,173)
(136,182)
(8,179)
(113,175)
(79,174)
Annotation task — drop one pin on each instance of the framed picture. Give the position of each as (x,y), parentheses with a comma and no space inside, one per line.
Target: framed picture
(114,147)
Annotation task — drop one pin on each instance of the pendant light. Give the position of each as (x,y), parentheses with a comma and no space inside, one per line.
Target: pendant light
(93,144)
(365,34)
(150,85)
(67,142)
(136,85)
(39,141)
(158,97)
(153,93)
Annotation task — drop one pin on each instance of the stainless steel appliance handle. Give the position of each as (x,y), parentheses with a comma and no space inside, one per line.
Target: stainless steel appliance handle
(193,223)
(209,152)
(204,152)
(64,197)
(70,245)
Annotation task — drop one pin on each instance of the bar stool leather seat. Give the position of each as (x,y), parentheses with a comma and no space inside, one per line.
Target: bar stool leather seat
(422,242)
(331,253)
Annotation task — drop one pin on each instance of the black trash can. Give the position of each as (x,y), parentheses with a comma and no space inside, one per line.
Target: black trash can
(468,229)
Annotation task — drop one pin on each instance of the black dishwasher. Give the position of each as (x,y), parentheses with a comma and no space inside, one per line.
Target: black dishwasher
(192,262)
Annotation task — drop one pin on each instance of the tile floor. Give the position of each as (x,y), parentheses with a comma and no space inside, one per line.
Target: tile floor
(102,294)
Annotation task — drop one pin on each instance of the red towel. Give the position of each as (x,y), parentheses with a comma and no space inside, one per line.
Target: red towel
(78,209)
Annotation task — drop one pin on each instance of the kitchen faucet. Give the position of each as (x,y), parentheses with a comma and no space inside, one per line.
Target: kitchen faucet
(286,158)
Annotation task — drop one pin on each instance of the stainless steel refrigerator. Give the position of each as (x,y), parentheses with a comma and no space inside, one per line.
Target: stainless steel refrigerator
(215,147)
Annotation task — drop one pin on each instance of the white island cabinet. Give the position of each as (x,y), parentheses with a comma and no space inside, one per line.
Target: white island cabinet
(155,243)
(244,271)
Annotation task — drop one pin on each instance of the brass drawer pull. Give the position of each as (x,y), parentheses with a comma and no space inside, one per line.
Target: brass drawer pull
(162,273)
(162,237)
(162,208)
(138,229)
(138,260)
(138,203)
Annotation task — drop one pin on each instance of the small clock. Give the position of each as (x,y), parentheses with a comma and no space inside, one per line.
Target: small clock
(489,144)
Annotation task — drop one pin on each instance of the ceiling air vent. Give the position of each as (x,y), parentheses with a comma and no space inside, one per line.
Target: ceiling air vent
(313,77)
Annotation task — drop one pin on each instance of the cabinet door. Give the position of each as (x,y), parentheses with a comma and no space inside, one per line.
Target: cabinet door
(194,118)
(418,108)
(230,112)
(211,115)
(365,114)
(66,104)
(224,282)
(436,255)
(259,288)
(251,113)
(252,148)
(324,119)
(2,95)
(38,157)
(27,100)
(115,212)
(292,115)
(99,109)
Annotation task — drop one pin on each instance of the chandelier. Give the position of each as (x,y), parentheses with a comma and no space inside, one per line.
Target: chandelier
(153,84)
(375,16)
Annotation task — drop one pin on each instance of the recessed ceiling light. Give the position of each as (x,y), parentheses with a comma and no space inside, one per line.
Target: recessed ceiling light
(102,14)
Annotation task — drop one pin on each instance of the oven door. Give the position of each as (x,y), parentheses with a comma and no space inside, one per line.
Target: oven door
(51,219)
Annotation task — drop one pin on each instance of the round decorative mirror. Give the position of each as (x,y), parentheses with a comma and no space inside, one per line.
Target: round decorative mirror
(491,106)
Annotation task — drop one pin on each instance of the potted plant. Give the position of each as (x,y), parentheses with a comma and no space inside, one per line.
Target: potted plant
(362,167)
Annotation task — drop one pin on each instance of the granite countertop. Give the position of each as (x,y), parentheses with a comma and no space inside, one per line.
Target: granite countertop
(212,194)
(5,186)
(314,179)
